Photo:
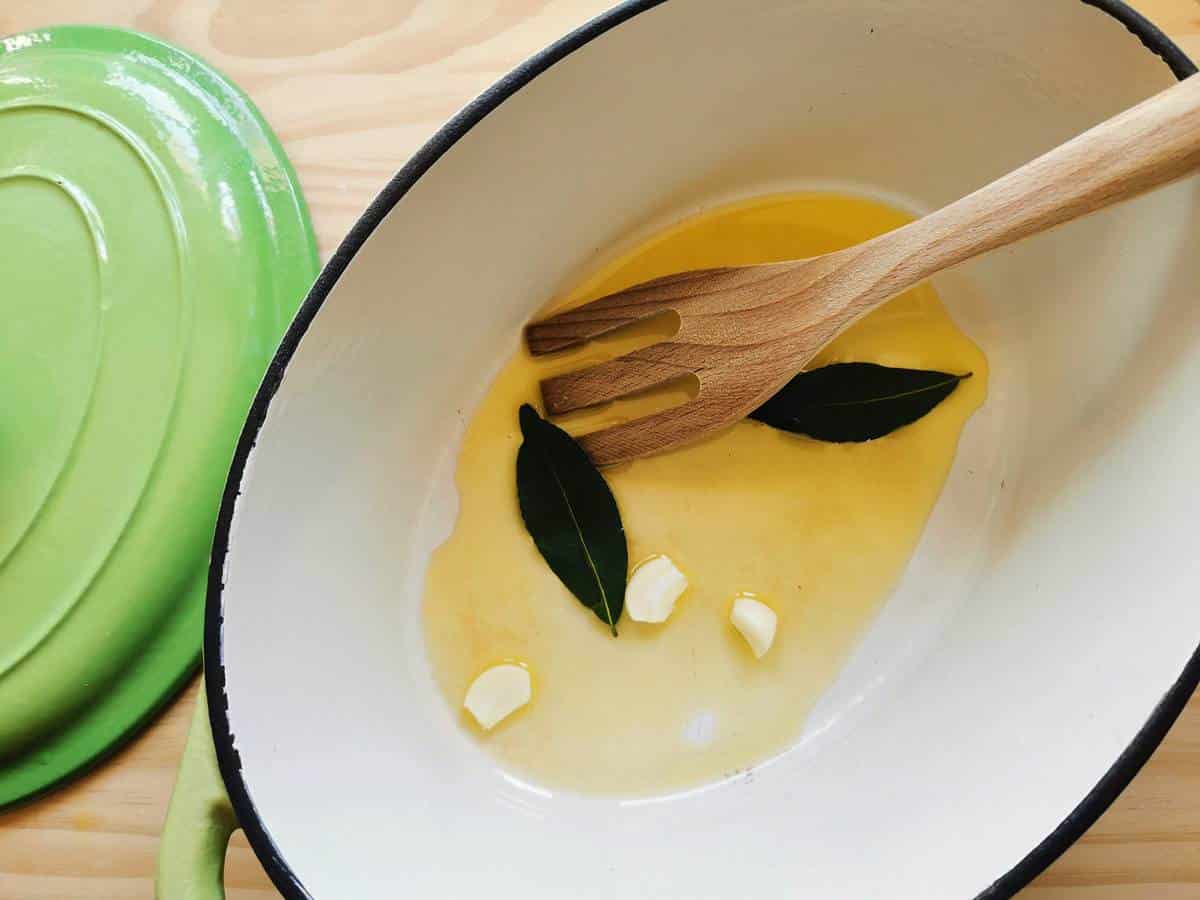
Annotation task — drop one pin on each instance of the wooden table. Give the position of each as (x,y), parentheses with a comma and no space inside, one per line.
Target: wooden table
(353,87)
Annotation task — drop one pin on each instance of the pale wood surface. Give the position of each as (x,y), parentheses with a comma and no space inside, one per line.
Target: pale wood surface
(353,87)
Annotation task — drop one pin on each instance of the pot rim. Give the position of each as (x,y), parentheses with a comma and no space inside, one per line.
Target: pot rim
(1079,820)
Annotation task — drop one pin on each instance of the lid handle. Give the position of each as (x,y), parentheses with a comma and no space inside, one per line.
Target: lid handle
(200,821)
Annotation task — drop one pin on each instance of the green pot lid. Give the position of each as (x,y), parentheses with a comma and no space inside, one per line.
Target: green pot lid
(153,247)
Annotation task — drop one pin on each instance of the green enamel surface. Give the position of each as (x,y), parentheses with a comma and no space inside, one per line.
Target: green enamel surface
(153,247)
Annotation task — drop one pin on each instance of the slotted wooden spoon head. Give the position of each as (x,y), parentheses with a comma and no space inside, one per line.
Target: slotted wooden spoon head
(743,332)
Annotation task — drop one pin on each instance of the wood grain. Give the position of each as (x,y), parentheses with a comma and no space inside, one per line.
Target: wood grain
(743,332)
(354,87)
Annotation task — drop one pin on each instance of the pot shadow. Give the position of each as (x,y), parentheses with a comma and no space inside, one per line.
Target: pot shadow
(1172,334)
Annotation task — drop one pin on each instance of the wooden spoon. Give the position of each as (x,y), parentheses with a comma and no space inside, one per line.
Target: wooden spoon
(745,331)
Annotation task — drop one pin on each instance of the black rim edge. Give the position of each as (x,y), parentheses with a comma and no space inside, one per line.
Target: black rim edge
(1114,781)
(1149,34)
(228,761)
(1151,734)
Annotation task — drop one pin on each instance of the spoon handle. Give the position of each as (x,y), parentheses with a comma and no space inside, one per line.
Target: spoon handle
(1144,147)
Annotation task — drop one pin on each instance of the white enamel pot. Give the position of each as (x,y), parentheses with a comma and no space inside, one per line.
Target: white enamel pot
(1043,639)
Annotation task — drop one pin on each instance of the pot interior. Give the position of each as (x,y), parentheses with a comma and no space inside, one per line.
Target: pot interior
(1051,603)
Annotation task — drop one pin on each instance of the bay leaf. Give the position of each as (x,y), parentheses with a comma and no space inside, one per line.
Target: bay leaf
(853,402)
(572,517)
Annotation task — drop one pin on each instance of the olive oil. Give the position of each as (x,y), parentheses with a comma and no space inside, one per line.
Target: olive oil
(821,532)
